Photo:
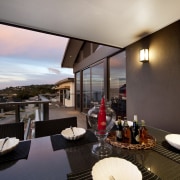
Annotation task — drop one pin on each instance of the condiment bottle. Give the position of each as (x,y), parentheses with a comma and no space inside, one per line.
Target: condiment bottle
(119,129)
(143,133)
(126,132)
(135,131)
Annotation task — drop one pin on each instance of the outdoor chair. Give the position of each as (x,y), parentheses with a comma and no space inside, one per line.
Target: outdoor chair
(55,126)
(12,130)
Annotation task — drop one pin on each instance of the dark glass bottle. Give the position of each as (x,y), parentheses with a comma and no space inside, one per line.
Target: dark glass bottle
(143,133)
(119,129)
(135,131)
(126,132)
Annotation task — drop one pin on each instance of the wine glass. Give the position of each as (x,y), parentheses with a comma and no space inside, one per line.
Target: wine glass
(101,148)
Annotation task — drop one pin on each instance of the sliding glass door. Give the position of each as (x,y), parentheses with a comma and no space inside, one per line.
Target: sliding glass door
(78,91)
(93,85)
(117,81)
(86,90)
(97,81)
(108,78)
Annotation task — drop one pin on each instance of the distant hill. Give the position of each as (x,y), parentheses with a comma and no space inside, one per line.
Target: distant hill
(24,92)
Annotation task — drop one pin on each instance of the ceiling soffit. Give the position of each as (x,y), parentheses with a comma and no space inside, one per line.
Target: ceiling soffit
(116,24)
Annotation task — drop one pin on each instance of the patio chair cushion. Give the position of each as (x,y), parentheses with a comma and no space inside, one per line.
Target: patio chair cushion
(12,130)
(55,126)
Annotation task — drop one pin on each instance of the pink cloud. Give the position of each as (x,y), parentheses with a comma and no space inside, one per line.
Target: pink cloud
(21,50)
(19,42)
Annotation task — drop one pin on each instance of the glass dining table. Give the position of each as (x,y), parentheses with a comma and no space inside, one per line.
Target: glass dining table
(55,158)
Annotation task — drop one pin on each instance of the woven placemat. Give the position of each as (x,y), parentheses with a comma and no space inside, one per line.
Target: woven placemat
(59,142)
(86,174)
(168,151)
(20,152)
(111,139)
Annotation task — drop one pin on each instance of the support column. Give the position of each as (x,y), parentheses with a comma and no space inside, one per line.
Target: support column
(17,113)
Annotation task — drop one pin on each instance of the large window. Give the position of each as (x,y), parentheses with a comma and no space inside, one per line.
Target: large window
(93,85)
(101,79)
(117,89)
(67,94)
(97,82)
(78,90)
(86,89)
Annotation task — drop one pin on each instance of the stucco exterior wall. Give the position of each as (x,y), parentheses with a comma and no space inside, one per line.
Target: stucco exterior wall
(70,85)
(153,89)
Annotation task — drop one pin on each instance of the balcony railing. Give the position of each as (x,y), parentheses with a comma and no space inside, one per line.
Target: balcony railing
(42,111)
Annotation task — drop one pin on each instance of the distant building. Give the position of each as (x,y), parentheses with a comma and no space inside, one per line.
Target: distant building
(65,89)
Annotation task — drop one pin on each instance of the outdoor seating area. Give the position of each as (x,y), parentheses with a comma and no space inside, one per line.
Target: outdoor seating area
(94,90)
(59,158)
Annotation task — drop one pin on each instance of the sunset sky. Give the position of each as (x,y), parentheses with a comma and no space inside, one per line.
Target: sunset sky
(28,57)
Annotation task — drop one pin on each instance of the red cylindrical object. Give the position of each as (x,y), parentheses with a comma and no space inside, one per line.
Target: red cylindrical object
(102,116)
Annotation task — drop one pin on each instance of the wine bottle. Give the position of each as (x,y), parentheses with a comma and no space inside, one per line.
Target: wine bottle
(143,133)
(126,132)
(119,129)
(135,131)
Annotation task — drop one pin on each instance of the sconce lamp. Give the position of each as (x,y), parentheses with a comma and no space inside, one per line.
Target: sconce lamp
(144,55)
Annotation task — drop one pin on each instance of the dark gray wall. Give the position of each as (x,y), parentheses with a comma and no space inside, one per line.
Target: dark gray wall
(153,89)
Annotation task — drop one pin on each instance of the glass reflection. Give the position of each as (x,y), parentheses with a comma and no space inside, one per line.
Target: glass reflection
(117,91)
(78,90)
(97,82)
(86,90)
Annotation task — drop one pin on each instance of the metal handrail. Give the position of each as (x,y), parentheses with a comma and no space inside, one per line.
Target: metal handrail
(27,130)
(43,104)
(43,110)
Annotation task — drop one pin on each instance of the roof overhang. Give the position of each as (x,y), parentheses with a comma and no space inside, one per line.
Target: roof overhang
(118,23)
(71,52)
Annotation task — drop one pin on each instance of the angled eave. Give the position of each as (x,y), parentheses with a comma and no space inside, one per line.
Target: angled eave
(71,52)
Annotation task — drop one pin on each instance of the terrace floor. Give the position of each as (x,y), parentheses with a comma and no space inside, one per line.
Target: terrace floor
(56,112)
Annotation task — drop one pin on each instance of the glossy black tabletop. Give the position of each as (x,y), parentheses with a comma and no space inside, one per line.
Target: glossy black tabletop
(45,163)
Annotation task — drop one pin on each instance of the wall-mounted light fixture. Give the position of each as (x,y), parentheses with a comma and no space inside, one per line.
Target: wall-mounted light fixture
(144,55)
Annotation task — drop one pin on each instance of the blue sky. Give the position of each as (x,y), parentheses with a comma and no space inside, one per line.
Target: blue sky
(28,57)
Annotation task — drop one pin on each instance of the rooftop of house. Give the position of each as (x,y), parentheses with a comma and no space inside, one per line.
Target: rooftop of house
(64,81)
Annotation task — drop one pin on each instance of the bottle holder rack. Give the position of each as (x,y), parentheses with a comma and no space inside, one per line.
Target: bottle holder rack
(111,139)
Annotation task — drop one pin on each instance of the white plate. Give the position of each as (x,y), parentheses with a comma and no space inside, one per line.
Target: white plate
(10,144)
(68,134)
(173,140)
(117,168)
